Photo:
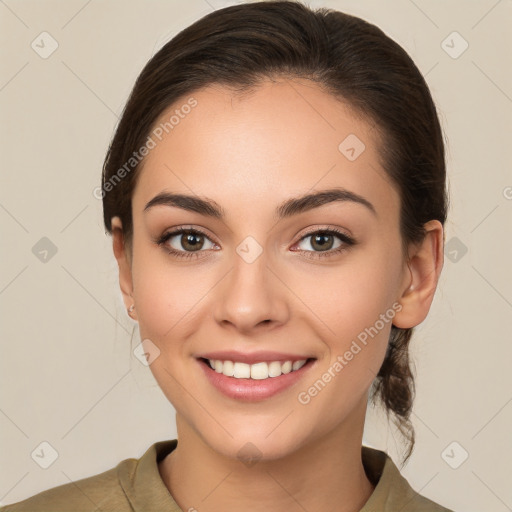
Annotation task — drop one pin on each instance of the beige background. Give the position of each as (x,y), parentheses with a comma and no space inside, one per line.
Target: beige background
(68,375)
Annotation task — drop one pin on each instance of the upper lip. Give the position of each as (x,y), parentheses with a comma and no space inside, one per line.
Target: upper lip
(253,357)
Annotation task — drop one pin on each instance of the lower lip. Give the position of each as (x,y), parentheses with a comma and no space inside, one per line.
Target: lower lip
(253,390)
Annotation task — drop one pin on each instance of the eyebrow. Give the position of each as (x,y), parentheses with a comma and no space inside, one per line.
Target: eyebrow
(290,207)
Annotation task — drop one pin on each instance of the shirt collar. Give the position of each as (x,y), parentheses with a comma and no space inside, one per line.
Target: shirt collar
(142,482)
(392,491)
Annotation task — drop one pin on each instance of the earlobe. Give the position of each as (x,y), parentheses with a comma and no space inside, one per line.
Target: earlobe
(424,266)
(121,253)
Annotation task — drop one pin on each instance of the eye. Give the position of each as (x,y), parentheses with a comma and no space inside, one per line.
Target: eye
(325,242)
(185,242)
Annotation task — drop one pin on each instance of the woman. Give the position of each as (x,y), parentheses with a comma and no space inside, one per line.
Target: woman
(275,191)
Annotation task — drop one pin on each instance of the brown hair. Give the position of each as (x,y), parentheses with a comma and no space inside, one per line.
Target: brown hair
(238,46)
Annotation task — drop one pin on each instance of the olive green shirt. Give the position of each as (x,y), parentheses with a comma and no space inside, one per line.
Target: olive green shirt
(135,485)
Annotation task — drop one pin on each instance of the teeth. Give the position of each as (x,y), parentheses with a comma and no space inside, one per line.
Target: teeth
(274,369)
(242,371)
(297,365)
(228,368)
(257,371)
(287,367)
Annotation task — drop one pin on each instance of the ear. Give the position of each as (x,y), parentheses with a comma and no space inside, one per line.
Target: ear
(123,257)
(425,264)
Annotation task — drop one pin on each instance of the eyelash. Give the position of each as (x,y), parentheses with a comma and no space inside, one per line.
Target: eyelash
(343,237)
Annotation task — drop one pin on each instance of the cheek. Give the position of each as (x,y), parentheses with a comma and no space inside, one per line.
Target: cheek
(362,314)
(354,307)
(361,324)
(167,295)
(168,300)
(358,296)
(155,295)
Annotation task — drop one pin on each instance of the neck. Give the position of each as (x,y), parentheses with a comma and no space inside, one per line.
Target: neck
(325,475)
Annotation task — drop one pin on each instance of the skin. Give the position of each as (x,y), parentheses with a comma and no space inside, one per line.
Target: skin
(250,153)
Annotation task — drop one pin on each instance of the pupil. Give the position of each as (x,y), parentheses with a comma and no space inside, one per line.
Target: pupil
(190,240)
(323,245)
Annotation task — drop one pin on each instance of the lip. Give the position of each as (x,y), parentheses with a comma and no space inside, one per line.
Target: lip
(251,390)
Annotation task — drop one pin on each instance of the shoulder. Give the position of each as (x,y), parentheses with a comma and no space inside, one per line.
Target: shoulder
(99,492)
(134,484)
(414,502)
(392,491)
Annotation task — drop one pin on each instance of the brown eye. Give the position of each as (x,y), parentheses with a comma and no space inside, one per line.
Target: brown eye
(325,243)
(185,241)
(322,242)
(192,241)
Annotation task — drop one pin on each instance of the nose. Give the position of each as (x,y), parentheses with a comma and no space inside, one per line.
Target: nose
(251,297)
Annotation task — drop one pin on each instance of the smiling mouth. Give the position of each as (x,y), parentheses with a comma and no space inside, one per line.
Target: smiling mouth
(258,371)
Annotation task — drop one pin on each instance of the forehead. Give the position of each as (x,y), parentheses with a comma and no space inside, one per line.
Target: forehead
(258,148)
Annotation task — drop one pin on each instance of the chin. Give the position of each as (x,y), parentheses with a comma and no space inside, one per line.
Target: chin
(258,441)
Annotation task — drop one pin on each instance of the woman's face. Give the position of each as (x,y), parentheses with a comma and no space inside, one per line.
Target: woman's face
(266,280)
